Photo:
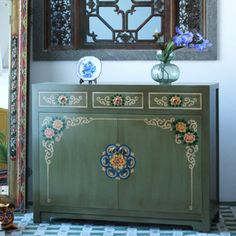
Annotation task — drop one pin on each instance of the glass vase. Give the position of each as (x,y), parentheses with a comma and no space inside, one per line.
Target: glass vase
(165,73)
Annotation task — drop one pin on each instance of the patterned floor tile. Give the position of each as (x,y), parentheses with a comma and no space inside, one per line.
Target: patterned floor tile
(225,227)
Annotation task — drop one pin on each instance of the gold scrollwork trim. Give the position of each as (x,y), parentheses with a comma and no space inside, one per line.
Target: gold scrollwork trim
(191,154)
(50,99)
(129,103)
(165,124)
(73,100)
(161,123)
(106,101)
(54,101)
(162,102)
(191,150)
(192,125)
(188,101)
(49,144)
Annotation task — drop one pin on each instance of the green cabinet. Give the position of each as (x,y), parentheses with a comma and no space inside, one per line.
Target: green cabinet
(133,153)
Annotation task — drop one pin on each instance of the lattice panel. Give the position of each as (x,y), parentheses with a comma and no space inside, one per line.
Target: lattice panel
(61,23)
(123,21)
(117,22)
(190,12)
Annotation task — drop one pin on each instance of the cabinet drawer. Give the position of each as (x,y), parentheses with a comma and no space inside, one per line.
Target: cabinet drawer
(63,99)
(122,100)
(185,101)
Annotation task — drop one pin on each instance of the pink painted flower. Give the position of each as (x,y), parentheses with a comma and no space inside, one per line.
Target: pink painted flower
(117,101)
(175,101)
(62,100)
(49,133)
(189,138)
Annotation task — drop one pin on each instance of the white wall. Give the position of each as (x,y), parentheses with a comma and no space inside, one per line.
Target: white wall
(222,71)
(5,12)
(4,89)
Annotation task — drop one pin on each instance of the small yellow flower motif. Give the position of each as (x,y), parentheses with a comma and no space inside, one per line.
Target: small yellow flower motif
(181,127)
(62,99)
(57,124)
(175,101)
(117,161)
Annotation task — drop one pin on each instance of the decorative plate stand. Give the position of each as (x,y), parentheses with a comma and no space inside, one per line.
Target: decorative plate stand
(89,68)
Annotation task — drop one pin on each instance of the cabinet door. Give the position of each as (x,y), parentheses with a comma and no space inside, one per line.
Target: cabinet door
(70,172)
(167,175)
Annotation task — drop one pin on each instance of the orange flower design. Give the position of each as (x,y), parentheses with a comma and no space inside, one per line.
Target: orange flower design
(181,127)
(57,124)
(118,161)
(175,101)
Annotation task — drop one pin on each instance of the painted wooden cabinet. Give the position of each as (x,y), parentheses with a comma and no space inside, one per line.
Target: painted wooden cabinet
(131,153)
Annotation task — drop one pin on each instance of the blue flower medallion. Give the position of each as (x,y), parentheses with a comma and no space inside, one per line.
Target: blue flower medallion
(118,161)
(88,70)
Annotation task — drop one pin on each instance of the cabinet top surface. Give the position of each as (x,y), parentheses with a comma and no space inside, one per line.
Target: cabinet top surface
(153,86)
(129,84)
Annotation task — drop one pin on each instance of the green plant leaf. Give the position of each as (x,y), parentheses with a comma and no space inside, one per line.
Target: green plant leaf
(2,137)
(3,153)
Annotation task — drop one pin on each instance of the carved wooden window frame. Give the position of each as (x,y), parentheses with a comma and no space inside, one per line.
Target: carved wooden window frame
(43,51)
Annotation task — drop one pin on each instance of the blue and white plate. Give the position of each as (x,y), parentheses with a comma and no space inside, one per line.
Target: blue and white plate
(89,68)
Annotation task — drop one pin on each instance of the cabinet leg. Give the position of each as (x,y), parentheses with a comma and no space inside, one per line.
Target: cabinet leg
(45,217)
(216,219)
(37,217)
(202,227)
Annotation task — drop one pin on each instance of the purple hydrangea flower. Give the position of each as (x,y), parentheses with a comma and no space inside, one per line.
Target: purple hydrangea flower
(203,46)
(178,31)
(187,38)
(191,45)
(177,39)
(183,40)
(199,36)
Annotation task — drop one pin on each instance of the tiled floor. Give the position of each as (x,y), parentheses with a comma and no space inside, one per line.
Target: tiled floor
(226,227)
(227,219)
